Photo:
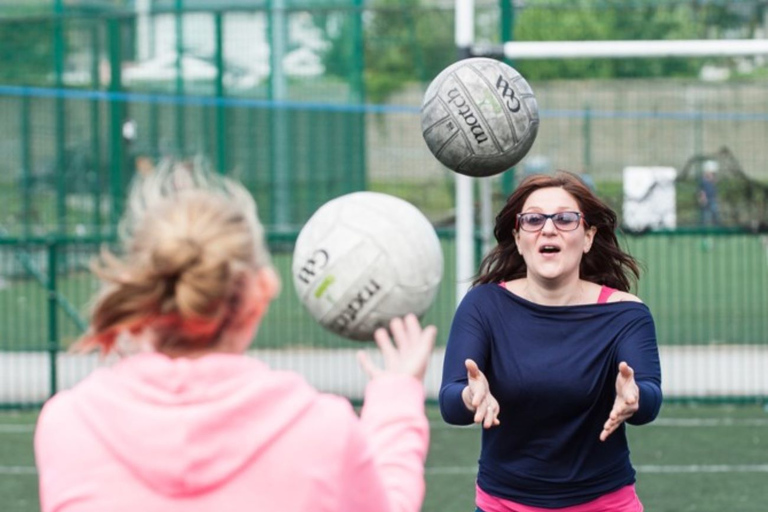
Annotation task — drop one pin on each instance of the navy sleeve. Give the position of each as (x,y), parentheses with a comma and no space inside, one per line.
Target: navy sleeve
(468,339)
(640,350)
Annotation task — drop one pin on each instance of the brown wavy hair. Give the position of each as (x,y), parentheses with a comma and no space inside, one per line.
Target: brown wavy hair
(606,263)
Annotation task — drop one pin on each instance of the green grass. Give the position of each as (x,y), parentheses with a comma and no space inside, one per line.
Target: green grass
(24,317)
(705,289)
(705,458)
(735,437)
(702,289)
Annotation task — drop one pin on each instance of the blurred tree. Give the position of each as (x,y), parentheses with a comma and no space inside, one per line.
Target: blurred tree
(403,44)
(574,20)
(407,41)
(606,20)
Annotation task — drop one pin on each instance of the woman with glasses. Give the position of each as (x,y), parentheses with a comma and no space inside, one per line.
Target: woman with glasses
(552,355)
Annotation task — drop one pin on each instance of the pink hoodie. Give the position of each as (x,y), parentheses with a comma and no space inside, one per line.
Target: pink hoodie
(226,433)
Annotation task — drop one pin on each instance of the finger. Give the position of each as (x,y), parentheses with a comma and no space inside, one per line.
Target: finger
(481,411)
(621,419)
(384,342)
(612,419)
(608,429)
(412,327)
(625,370)
(479,414)
(429,334)
(397,328)
(427,340)
(473,372)
(491,416)
(621,411)
(366,364)
(616,418)
(479,395)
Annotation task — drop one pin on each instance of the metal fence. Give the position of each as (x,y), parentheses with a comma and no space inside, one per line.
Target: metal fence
(82,115)
(708,292)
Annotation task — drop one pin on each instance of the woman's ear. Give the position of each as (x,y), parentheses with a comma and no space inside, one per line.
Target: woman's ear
(589,238)
(269,282)
(261,287)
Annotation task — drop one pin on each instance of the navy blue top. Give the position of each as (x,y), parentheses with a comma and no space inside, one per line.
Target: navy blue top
(553,370)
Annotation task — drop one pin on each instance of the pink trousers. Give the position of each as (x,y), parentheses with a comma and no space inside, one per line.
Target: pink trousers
(621,500)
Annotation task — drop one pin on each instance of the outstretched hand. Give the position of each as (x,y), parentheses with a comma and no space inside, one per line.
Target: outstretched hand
(627,400)
(410,352)
(478,398)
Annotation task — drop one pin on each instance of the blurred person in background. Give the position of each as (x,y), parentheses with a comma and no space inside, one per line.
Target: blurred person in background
(707,194)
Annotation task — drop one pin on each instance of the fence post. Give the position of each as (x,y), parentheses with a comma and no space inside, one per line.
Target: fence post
(221,120)
(180,105)
(53,328)
(96,129)
(26,166)
(278,93)
(507,29)
(115,122)
(60,132)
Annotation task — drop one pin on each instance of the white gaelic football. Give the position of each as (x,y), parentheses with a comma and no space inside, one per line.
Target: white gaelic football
(364,258)
(479,117)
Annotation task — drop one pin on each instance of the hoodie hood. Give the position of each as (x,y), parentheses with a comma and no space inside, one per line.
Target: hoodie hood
(182,425)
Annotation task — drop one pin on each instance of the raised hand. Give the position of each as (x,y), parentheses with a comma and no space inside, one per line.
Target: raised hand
(478,398)
(410,352)
(627,400)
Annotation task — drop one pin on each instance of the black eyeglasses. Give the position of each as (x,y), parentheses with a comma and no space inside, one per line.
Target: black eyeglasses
(563,221)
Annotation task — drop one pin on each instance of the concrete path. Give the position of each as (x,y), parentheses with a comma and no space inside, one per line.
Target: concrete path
(696,371)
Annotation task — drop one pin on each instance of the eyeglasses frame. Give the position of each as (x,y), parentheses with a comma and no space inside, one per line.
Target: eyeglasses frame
(548,216)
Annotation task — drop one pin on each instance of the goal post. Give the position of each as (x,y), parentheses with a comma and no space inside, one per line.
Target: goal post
(625,49)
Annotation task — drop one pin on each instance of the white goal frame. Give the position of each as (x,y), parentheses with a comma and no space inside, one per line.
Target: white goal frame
(464,39)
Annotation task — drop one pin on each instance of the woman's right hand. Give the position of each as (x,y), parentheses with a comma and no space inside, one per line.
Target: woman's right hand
(410,352)
(478,398)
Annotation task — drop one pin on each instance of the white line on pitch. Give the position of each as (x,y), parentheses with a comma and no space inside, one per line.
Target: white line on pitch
(704,468)
(691,468)
(469,470)
(12,428)
(18,470)
(711,422)
(662,422)
(16,429)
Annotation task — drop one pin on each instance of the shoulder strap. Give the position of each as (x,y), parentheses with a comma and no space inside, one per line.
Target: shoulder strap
(605,292)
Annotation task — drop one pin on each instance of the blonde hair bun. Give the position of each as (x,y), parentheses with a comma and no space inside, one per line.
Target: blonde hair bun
(187,237)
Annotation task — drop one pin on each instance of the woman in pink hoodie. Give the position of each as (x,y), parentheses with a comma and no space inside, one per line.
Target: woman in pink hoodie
(186,421)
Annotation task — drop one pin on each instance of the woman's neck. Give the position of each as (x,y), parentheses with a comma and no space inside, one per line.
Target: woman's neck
(555,294)
(147,342)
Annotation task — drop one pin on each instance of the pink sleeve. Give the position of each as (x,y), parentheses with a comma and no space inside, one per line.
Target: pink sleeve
(387,449)
(59,457)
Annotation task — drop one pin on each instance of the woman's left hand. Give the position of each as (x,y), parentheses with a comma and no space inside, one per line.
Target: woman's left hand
(627,400)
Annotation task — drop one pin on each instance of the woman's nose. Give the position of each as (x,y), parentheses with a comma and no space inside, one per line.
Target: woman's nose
(549,225)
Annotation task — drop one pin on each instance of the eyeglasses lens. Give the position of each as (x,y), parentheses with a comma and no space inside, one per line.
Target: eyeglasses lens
(564,221)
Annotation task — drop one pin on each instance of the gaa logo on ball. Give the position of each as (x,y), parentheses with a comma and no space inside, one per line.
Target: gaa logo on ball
(364,258)
(479,117)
